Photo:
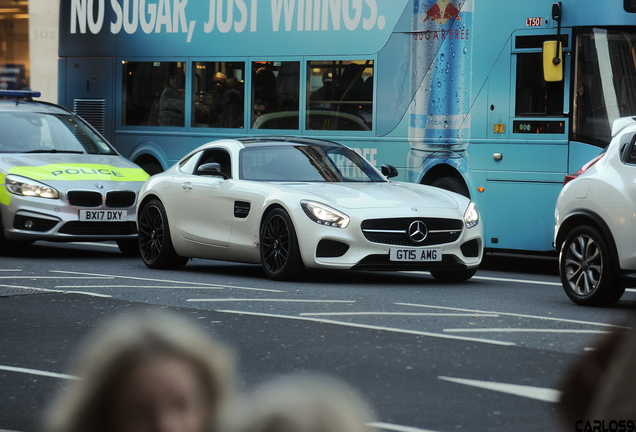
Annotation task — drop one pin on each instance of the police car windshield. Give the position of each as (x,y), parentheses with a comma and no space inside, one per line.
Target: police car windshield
(28,132)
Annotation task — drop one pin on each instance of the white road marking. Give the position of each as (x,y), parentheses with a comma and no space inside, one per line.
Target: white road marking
(522,330)
(394,427)
(372,327)
(538,393)
(96,244)
(533,282)
(10,270)
(495,279)
(55,290)
(140,286)
(54,277)
(432,314)
(515,314)
(38,372)
(168,281)
(270,300)
(92,294)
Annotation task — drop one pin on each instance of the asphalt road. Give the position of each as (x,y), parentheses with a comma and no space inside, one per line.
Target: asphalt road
(486,355)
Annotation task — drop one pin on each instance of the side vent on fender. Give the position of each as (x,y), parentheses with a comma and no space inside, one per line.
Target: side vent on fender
(241,209)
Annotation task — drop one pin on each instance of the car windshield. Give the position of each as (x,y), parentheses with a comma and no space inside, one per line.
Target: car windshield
(306,163)
(28,132)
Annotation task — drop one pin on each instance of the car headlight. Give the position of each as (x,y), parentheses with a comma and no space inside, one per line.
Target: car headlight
(324,215)
(27,187)
(471,216)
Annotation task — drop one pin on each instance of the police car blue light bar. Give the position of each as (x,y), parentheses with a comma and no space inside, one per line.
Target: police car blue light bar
(20,93)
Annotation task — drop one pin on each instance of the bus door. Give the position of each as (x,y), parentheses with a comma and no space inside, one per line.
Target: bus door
(89,91)
(526,154)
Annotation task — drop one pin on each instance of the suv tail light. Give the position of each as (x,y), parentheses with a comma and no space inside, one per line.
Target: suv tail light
(569,177)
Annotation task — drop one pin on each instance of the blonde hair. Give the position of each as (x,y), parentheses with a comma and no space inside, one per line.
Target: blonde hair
(125,342)
(302,403)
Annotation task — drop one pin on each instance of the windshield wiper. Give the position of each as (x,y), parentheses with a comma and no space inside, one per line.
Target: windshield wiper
(55,151)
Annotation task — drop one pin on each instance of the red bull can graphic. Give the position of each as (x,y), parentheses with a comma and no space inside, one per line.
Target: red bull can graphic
(441,48)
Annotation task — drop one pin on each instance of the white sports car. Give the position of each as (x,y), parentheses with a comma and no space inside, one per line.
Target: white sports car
(292,203)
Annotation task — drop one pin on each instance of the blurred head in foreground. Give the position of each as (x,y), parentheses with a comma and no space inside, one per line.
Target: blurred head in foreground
(152,372)
(300,403)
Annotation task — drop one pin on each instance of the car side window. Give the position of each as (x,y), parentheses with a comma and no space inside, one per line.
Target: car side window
(219,156)
(187,165)
(628,150)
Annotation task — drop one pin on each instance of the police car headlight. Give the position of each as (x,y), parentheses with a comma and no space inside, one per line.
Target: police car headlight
(27,187)
(324,215)
(471,216)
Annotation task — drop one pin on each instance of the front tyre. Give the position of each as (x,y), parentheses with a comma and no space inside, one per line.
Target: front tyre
(280,254)
(453,276)
(586,268)
(155,244)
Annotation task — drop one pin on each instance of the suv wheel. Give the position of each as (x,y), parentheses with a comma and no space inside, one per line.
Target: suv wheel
(587,270)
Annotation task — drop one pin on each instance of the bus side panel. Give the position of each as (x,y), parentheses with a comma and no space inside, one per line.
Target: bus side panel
(89,91)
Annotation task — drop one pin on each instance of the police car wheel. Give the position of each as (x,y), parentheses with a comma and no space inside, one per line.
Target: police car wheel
(155,244)
(129,247)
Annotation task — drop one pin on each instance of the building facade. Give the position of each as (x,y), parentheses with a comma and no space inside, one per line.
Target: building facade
(29,46)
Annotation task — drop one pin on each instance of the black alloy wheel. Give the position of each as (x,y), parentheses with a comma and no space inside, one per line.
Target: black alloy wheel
(155,244)
(280,254)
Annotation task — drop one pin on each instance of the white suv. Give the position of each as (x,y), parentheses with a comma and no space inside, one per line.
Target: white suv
(595,233)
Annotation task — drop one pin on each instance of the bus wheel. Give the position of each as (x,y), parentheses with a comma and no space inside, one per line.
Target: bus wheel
(586,269)
(151,168)
(155,244)
(280,255)
(452,184)
(453,276)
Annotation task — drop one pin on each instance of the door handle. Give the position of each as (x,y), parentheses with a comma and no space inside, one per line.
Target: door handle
(186,186)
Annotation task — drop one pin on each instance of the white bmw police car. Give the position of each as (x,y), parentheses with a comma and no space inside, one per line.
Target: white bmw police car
(61,180)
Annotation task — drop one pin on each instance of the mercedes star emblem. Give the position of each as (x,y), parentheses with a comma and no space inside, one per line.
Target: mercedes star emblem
(417,231)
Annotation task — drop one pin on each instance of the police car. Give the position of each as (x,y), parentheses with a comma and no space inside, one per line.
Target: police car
(61,180)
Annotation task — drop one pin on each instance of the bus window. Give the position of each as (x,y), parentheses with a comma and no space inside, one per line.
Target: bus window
(153,93)
(218,94)
(340,95)
(535,96)
(605,83)
(275,95)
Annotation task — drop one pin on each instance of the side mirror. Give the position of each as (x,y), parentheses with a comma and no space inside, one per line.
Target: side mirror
(211,169)
(552,61)
(389,171)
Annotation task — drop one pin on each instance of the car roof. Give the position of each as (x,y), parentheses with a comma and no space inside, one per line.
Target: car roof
(285,140)
(17,100)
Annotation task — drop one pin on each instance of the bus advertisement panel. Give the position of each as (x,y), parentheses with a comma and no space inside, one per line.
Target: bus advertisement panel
(460,94)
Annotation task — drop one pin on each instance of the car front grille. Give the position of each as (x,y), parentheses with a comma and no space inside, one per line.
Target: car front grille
(395,231)
(120,198)
(98,228)
(114,199)
(80,198)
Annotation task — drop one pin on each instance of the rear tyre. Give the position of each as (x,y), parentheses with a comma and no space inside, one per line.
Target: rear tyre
(587,270)
(280,254)
(155,244)
(452,184)
(129,247)
(453,276)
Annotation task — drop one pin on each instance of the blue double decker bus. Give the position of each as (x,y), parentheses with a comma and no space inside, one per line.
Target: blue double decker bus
(496,100)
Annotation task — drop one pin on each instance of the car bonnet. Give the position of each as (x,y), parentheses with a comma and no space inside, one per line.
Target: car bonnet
(52,168)
(376,195)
